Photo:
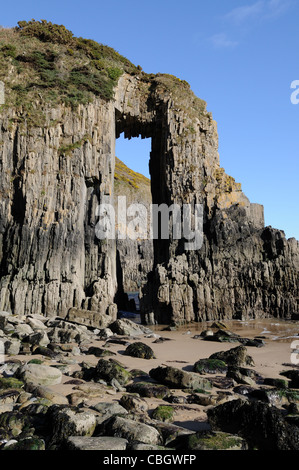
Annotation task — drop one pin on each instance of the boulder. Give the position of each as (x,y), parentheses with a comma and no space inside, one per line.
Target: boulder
(210,366)
(38,338)
(94,319)
(99,352)
(23,330)
(40,374)
(126,327)
(177,378)
(140,350)
(9,396)
(68,422)
(163,413)
(4,317)
(262,426)
(293,375)
(131,430)
(107,410)
(133,403)
(223,336)
(36,324)
(55,397)
(28,443)
(234,357)
(61,331)
(13,423)
(170,432)
(149,390)
(102,443)
(141,446)
(241,375)
(209,440)
(108,370)
(12,346)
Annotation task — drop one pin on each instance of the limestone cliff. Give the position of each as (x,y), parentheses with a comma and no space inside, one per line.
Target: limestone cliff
(67,100)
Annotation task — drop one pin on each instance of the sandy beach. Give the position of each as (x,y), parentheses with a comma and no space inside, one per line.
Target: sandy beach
(181,349)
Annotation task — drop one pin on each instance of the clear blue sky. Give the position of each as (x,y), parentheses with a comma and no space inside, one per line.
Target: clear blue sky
(238,55)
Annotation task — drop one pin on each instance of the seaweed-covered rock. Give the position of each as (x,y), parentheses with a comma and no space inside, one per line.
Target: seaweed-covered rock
(163,413)
(99,352)
(234,357)
(177,378)
(10,382)
(133,403)
(149,390)
(223,336)
(242,375)
(44,351)
(107,410)
(255,342)
(67,421)
(210,366)
(209,440)
(293,375)
(176,399)
(140,350)
(13,423)
(263,426)
(202,399)
(109,370)
(276,396)
(9,396)
(277,383)
(28,443)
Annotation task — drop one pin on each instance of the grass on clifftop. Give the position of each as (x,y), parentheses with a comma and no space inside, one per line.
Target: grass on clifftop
(41,62)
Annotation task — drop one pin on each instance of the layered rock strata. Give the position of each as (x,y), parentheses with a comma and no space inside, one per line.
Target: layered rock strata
(54,176)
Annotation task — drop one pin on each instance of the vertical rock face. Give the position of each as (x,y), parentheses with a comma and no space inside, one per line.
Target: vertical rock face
(53,178)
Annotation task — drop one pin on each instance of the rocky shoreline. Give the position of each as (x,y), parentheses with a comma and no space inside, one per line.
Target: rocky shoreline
(66,386)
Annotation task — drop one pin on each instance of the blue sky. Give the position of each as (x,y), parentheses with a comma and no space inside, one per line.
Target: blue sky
(240,56)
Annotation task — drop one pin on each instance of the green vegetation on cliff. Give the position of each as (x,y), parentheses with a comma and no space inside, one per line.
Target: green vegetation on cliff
(124,174)
(44,63)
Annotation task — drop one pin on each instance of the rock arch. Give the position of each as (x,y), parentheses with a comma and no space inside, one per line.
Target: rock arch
(53,178)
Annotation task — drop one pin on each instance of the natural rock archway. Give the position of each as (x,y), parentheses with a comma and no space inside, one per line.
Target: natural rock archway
(54,177)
